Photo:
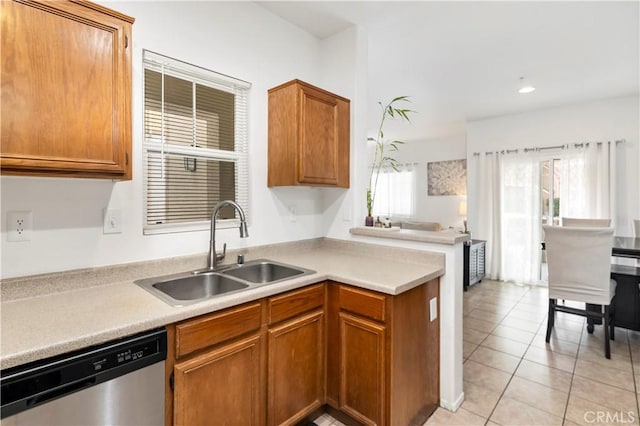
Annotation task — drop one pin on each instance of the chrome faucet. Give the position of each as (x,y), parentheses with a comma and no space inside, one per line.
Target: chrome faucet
(214,257)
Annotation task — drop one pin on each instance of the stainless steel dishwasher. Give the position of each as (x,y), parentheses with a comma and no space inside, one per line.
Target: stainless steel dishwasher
(115,383)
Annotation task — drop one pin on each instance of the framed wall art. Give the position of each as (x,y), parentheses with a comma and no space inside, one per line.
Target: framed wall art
(447,177)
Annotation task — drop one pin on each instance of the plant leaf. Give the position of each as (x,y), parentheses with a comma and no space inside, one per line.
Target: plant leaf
(400,98)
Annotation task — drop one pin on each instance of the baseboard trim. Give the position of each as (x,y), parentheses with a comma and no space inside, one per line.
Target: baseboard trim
(453,406)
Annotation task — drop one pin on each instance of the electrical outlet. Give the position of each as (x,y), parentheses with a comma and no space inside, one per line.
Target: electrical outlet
(112,221)
(19,225)
(433,309)
(292,213)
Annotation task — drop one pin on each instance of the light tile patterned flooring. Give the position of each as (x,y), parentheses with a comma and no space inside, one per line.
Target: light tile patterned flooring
(327,420)
(513,377)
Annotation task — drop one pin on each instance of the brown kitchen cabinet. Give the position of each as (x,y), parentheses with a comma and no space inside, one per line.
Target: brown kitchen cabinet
(296,355)
(386,371)
(362,369)
(217,374)
(362,355)
(220,386)
(217,363)
(308,136)
(66,89)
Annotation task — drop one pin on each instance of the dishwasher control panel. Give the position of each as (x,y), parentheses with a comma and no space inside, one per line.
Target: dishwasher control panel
(125,356)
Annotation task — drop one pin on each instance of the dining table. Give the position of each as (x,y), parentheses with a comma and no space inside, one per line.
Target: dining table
(626,247)
(626,304)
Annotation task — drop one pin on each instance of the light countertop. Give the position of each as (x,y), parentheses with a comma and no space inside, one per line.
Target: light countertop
(47,315)
(446,237)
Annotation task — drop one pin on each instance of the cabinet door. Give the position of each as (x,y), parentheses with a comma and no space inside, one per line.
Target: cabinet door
(473,263)
(319,138)
(66,89)
(296,365)
(362,369)
(480,260)
(220,387)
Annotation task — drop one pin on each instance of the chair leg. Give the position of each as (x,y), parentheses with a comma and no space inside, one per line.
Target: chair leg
(550,318)
(612,322)
(607,344)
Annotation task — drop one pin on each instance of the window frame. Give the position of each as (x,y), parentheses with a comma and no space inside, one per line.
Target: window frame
(240,155)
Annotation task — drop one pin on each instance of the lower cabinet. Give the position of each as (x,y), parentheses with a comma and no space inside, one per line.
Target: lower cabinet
(220,387)
(295,365)
(388,361)
(474,268)
(371,358)
(215,368)
(362,362)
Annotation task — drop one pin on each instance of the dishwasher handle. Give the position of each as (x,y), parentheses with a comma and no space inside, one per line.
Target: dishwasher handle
(60,391)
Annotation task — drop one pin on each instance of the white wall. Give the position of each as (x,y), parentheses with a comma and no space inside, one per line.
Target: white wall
(344,66)
(604,120)
(240,39)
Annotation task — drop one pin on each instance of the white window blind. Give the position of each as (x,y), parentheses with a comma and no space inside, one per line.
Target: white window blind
(195,145)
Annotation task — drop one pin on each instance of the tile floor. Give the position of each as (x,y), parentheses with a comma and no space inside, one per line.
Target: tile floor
(513,377)
(327,420)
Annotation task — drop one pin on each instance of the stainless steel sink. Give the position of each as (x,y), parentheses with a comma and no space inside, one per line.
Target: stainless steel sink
(183,289)
(266,271)
(194,286)
(199,286)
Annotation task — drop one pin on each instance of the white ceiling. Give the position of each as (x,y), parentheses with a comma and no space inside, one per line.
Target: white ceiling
(461,61)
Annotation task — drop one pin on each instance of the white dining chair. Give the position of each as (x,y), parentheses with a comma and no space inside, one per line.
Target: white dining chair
(580,270)
(574,221)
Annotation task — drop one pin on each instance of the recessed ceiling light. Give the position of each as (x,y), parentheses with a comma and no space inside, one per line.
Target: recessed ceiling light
(525,87)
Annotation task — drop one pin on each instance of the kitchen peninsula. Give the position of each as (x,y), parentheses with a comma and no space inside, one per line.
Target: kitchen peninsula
(362,288)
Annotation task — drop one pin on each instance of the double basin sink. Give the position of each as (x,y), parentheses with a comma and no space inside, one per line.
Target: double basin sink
(191,287)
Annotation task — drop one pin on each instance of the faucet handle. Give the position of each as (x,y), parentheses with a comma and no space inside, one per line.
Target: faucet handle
(220,256)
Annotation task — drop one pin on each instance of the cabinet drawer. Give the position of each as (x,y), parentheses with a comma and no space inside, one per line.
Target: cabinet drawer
(212,329)
(362,302)
(293,303)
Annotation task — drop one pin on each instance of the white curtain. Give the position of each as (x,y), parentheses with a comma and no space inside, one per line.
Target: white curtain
(487,210)
(395,193)
(521,218)
(587,181)
(508,213)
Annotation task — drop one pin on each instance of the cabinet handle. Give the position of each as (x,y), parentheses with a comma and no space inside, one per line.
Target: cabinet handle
(171,381)
(126,41)
(126,158)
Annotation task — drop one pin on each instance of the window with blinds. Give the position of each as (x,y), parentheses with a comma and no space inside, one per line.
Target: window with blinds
(195,145)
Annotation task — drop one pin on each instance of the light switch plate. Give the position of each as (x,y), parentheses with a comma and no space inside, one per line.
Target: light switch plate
(112,221)
(433,309)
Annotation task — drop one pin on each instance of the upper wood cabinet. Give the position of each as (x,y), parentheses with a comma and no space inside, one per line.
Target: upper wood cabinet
(308,136)
(66,89)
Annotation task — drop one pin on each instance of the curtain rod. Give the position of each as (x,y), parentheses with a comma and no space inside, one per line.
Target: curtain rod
(402,165)
(542,148)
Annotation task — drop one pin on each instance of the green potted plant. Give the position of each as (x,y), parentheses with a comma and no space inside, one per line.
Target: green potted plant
(384,150)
